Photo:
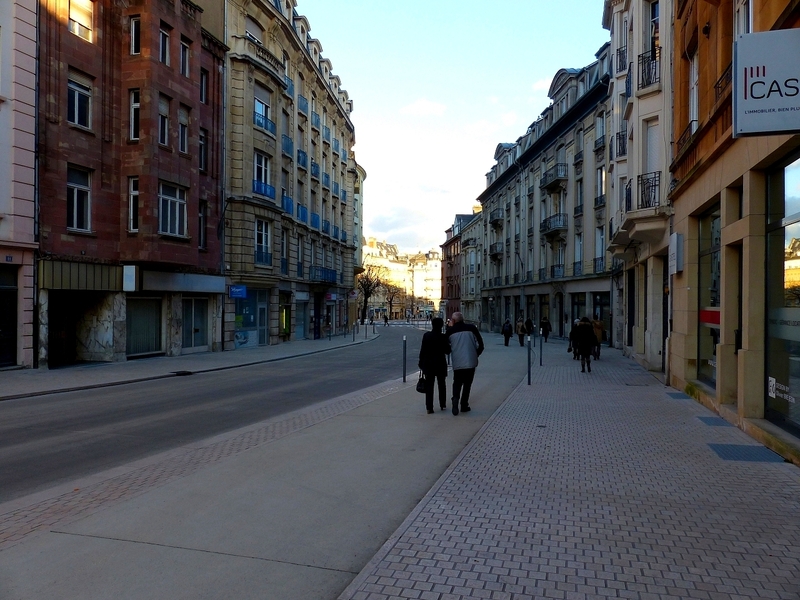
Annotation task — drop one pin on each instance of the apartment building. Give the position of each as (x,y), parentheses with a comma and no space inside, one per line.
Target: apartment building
(290,174)
(545,219)
(734,343)
(17,183)
(424,283)
(471,263)
(452,265)
(639,143)
(392,267)
(129,186)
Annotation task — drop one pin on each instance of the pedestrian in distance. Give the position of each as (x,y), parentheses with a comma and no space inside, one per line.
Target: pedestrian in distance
(507,330)
(545,328)
(466,345)
(585,338)
(599,329)
(521,331)
(573,342)
(433,363)
(529,326)
(385,320)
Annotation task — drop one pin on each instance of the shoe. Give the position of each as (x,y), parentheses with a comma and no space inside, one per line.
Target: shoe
(465,409)
(455,408)
(430,411)
(443,407)
(583,370)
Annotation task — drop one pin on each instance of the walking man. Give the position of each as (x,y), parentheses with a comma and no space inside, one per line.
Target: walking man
(521,331)
(466,345)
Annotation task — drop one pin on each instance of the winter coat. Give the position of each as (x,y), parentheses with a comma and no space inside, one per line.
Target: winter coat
(584,338)
(529,326)
(520,327)
(507,330)
(545,326)
(432,359)
(599,328)
(466,345)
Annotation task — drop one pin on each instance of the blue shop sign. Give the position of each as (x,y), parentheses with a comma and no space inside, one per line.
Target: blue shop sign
(237,291)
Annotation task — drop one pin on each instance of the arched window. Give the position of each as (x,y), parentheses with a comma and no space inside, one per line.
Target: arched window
(253,30)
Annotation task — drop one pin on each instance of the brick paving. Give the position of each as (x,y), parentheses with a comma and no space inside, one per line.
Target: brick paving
(601,485)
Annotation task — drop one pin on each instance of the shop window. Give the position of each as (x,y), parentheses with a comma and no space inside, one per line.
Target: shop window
(709,297)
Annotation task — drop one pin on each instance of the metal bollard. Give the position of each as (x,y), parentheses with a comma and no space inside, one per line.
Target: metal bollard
(373,329)
(529,360)
(404,359)
(354,331)
(541,349)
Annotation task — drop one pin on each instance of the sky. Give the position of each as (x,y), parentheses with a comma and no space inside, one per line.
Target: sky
(436,86)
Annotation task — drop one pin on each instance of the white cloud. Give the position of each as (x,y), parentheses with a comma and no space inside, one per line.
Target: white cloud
(542,84)
(424,108)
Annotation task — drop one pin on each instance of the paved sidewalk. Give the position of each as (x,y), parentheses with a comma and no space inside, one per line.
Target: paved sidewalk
(594,486)
(19,383)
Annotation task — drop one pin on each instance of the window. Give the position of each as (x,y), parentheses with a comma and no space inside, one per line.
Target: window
(202,224)
(263,255)
(80,18)
(134,116)
(261,172)
(163,46)
(203,150)
(253,30)
(79,101)
(163,120)
(709,290)
(203,86)
(183,129)
(653,31)
(78,199)
(600,243)
(743,17)
(694,75)
(185,51)
(172,209)
(600,182)
(136,35)
(261,115)
(133,204)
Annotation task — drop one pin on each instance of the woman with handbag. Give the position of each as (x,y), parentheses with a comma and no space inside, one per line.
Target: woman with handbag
(433,363)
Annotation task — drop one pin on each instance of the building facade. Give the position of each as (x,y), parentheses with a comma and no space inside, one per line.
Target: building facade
(129,190)
(734,341)
(17,184)
(471,264)
(452,265)
(544,210)
(640,126)
(289,243)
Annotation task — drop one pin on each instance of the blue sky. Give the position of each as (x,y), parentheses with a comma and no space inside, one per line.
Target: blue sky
(436,85)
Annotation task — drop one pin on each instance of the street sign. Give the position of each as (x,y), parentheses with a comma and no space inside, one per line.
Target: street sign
(237,291)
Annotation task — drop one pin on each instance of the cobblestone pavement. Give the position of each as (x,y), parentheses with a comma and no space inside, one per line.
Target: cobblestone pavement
(601,485)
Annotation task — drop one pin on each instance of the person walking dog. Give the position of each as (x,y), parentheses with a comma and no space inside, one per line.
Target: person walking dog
(433,363)
(466,345)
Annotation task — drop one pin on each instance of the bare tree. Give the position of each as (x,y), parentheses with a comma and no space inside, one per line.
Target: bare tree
(393,293)
(369,282)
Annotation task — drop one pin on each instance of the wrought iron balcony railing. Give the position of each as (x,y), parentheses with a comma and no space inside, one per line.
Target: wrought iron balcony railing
(335,189)
(557,271)
(685,137)
(496,216)
(322,274)
(326,180)
(650,190)
(599,264)
(542,273)
(344,235)
(577,211)
(496,248)
(577,268)
(554,223)
(289,86)
(649,67)
(335,232)
(315,120)
(343,195)
(600,142)
(335,145)
(622,143)
(600,201)
(554,174)
(326,133)
(622,59)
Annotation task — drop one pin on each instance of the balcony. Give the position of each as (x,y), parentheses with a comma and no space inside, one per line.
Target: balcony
(723,83)
(471,269)
(302,105)
(261,120)
(577,211)
(326,133)
(300,270)
(600,201)
(322,274)
(622,59)
(496,249)
(335,190)
(599,265)
(557,271)
(622,144)
(287,146)
(531,231)
(577,268)
(599,143)
(578,158)
(554,176)
(289,86)
(344,236)
(284,266)
(326,180)
(343,196)
(314,169)
(554,224)
(302,159)
(315,221)
(336,145)
(542,274)
(302,213)
(649,68)
(686,137)
(496,217)
(336,232)
(287,204)
(315,120)
(326,227)
(648,220)
(344,155)
(469,243)
(649,190)
(263,188)
(263,258)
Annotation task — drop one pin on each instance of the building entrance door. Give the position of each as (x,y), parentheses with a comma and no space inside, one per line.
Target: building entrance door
(8,316)
(195,325)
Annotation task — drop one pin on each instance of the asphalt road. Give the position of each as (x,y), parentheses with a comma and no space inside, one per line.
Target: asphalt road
(51,439)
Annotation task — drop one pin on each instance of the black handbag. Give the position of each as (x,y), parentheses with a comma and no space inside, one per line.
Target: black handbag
(421,383)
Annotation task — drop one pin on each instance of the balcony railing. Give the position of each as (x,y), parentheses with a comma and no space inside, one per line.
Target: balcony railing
(302,213)
(542,273)
(496,248)
(261,120)
(326,180)
(600,201)
(315,120)
(528,275)
(314,169)
(343,196)
(553,223)
(622,59)
(723,83)
(599,264)
(287,145)
(326,133)
(629,82)
(686,136)
(554,174)
(300,270)
(263,188)
(344,235)
(344,155)
(315,221)
(302,105)
(470,242)
(628,195)
(289,86)
(649,190)
(263,257)
(600,142)
(335,190)
(578,157)
(336,232)
(622,143)
(557,271)
(496,216)
(577,211)
(322,274)
(287,204)
(577,268)
(284,266)
(326,226)
(649,67)
(302,158)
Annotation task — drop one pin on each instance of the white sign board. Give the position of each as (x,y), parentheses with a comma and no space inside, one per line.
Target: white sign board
(766,83)
(675,253)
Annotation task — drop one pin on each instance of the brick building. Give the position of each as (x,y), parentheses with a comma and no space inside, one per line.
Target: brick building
(129,200)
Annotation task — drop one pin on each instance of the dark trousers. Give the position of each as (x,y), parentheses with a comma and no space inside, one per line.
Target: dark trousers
(462,378)
(441,380)
(506,338)
(521,339)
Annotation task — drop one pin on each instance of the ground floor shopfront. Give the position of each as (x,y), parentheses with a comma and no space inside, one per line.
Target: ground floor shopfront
(16,307)
(735,341)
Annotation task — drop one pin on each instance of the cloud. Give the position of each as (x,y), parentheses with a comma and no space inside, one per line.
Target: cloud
(542,84)
(424,108)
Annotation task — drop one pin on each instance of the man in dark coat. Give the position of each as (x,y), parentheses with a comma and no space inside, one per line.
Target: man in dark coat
(529,326)
(466,345)
(433,363)
(545,327)
(586,340)
(507,331)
